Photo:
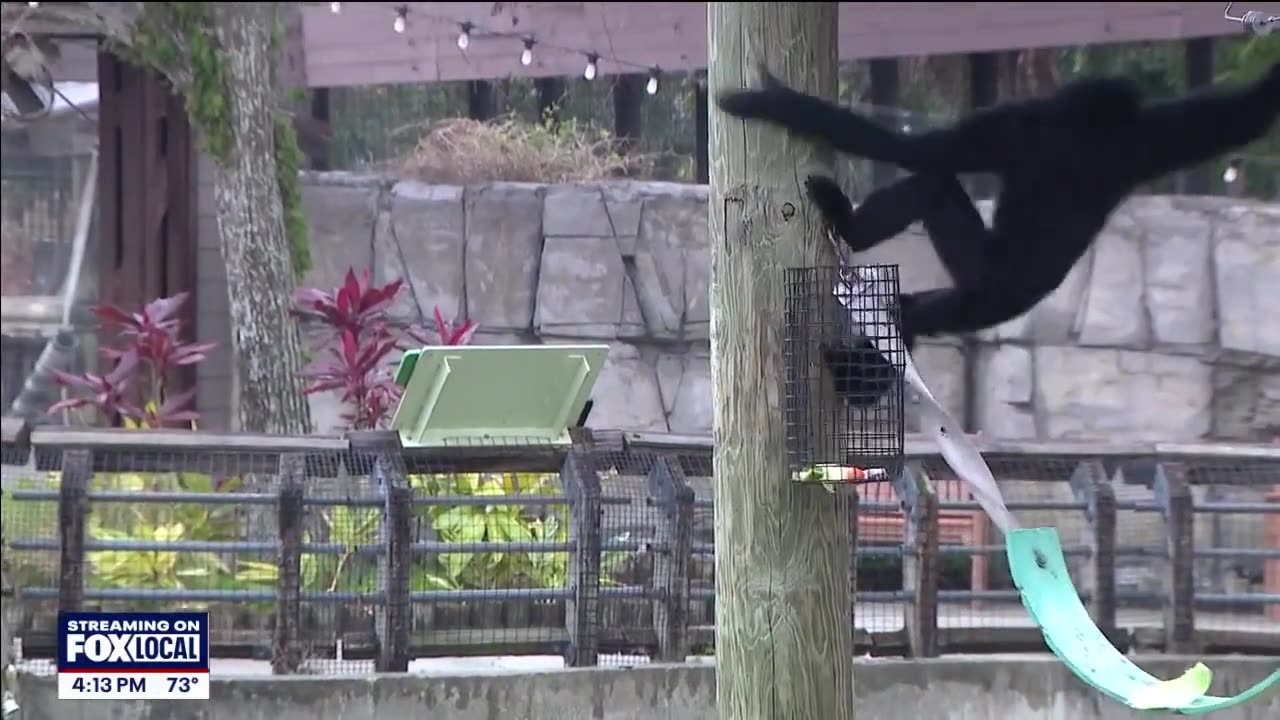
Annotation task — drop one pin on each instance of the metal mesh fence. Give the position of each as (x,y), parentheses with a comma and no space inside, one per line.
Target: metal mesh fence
(38,205)
(372,126)
(167,532)
(882,576)
(1142,558)
(491,564)
(344,561)
(978,607)
(340,559)
(1237,552)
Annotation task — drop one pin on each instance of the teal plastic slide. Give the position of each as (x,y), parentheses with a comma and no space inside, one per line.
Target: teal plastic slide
(1040,574)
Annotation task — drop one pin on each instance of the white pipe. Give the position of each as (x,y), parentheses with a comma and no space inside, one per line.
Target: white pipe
(71,283)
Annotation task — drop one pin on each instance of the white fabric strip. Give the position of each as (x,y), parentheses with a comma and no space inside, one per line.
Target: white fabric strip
(862,293)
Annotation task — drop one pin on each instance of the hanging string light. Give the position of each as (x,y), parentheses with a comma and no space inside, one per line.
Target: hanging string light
(905,118)
(335,8)
(1232,173)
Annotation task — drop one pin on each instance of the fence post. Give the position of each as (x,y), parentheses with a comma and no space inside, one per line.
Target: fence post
(1103,607)
(286,655)
(1173,493)
(1271,566)
(673,540)
(387,470)
(73,511)
(920,558)
(1090,485)
(582,611)
(852,498)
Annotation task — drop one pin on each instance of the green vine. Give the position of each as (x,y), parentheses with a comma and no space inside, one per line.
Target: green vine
(208,100)
(208,96)
(288,165)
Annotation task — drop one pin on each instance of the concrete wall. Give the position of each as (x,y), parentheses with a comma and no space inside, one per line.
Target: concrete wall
(1166,330)
(1006,688)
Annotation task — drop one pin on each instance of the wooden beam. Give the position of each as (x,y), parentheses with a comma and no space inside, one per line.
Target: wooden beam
(1198,75)
(784,648)
(702,158)
(550,93)
(628,101)
(480,102)
(314,129)
(358,46)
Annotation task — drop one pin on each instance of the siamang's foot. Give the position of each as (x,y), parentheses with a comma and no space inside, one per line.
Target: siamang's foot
(761,103)
(861,374)
(830,199)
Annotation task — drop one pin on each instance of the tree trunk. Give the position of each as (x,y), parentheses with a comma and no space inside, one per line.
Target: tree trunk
(784,645)
(265,339)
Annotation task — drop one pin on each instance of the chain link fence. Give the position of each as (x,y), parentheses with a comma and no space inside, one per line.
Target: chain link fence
(373,126)
(335,556)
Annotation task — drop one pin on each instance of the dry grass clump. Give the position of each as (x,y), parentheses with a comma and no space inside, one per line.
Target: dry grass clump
(462,151)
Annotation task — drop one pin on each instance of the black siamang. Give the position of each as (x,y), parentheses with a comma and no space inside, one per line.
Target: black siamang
(1065,162)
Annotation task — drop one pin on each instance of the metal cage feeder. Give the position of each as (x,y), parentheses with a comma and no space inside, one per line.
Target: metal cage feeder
(844,360)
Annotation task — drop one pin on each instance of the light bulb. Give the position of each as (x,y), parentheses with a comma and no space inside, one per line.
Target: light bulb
(335,8)
(33,4)
(906,128)
(1230,175)
(590,71)
(399,24)
(652,86)
(464,37)
(526,56)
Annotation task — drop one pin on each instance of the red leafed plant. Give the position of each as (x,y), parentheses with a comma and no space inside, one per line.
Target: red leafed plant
(152,348)
(353,332)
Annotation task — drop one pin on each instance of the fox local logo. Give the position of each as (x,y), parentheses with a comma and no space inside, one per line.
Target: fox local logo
(122,641)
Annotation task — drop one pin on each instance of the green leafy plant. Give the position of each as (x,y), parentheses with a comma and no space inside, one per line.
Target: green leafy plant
(347,571)
(30,521)
(162,569)
(503,521)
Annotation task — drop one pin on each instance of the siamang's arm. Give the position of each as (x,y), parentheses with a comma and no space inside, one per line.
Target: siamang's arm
(1175,134)
(979,142)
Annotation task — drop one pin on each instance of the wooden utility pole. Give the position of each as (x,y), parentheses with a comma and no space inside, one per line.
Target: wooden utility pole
(783,642)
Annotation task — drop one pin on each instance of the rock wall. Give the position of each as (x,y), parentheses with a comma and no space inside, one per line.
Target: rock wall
(1167,329)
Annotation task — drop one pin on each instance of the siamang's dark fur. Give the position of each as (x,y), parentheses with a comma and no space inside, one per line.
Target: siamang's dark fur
(1065,162)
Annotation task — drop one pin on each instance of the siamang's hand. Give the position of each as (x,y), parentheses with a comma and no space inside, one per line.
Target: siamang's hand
(827,195)
(756,104)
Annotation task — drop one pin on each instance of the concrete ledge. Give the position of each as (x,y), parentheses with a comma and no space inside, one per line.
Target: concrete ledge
(973,688)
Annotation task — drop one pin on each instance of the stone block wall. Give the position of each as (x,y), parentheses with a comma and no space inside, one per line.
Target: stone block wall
(1168,329)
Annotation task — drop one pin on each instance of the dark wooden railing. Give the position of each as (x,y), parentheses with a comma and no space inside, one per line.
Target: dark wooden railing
(311,550)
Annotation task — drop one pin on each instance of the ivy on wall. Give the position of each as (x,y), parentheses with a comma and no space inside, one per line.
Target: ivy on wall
(288,165)
(177,40)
